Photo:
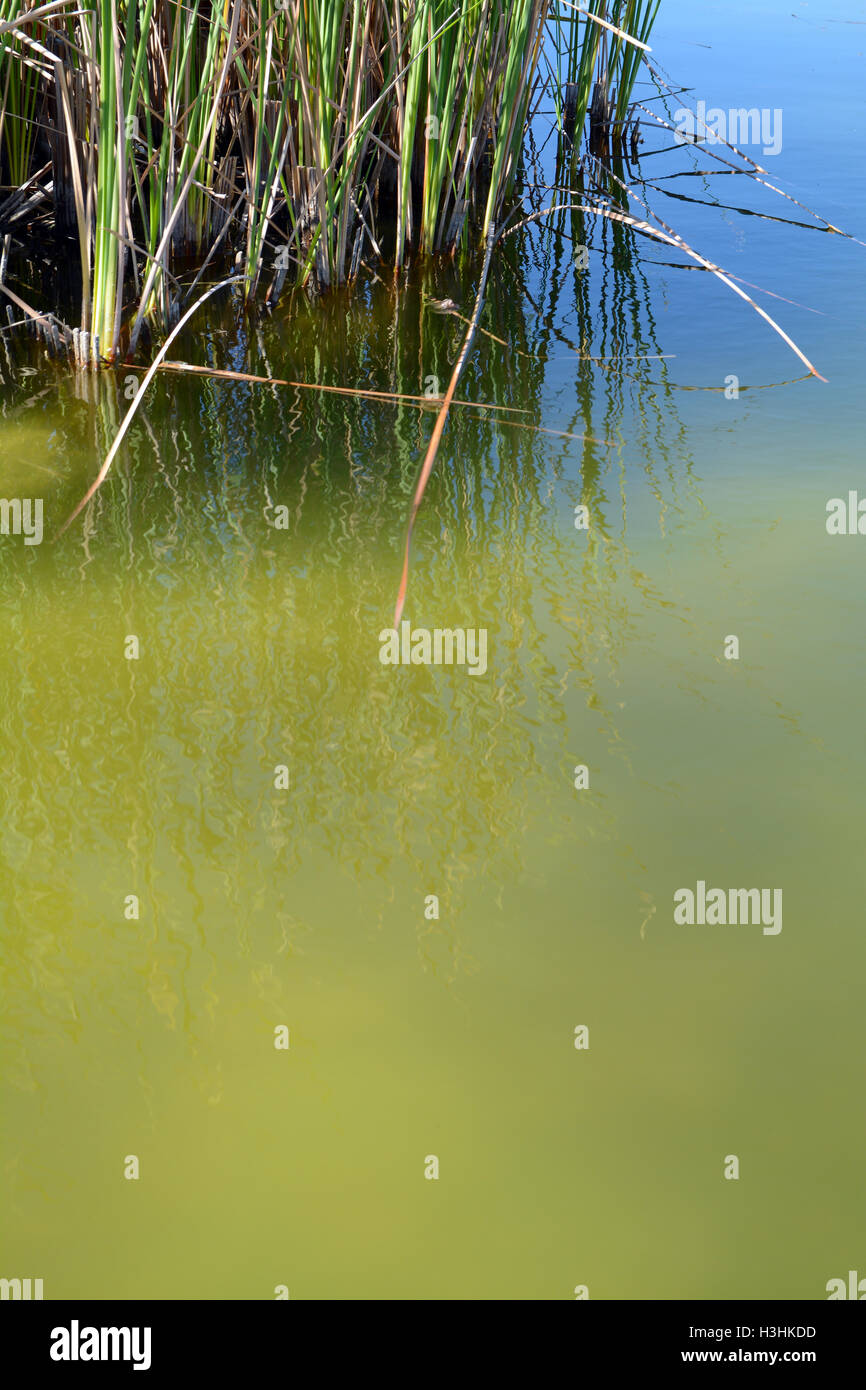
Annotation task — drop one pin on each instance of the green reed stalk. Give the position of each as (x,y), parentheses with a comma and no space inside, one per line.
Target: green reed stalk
(19,97)
(525,32)
(635,17)
(107,247)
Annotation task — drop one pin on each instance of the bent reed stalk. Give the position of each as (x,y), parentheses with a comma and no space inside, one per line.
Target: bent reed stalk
(289,133)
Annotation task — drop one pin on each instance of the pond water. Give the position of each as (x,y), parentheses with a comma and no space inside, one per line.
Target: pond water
(308,907)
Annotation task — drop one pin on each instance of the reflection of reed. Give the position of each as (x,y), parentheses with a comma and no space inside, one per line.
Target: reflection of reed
(259,645)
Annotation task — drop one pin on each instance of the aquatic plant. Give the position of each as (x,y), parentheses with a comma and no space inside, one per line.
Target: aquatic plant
(297,135)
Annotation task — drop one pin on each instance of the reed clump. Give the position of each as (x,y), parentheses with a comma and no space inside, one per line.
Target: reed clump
(297,136)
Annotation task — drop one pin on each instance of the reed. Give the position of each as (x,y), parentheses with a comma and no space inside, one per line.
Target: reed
(18,96)
(293,135)
(604,56)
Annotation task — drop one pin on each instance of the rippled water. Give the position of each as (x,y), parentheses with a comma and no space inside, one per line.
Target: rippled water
(308,907)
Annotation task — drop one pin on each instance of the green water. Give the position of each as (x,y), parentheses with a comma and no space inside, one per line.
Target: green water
(259,907)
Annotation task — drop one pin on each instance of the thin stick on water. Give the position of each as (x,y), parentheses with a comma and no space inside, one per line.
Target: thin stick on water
(436,437)
(360,391)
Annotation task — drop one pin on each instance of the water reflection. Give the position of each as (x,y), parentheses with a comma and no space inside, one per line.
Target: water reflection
(259,645)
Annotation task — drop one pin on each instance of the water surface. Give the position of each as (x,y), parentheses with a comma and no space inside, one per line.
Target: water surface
(413,1036)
